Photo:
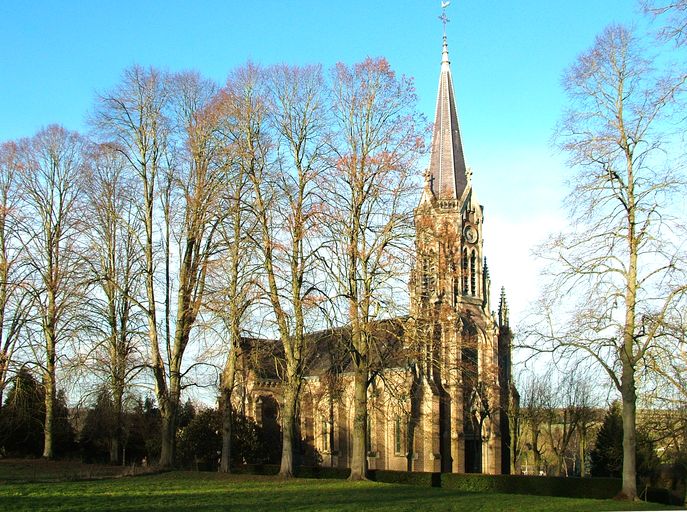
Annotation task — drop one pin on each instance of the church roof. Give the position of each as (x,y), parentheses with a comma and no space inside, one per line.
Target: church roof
(447,171)
(329,351)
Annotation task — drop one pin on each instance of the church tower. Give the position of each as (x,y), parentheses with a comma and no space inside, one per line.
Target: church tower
(458,339)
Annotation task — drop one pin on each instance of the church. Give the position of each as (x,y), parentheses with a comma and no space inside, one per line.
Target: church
(439,399)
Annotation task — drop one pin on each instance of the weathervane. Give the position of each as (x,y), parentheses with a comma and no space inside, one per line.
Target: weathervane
(444,19)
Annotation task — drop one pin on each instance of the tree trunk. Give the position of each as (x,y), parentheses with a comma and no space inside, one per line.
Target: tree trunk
(562,466)
(114,450)
(513,447)
(359,455)
(513,465)
(229,375)
(536,456)
(629,398)
(50,394)
(228,380)
(583,464)
(227,413)
(168,435)
(117,434)
(49,386)
(627,353)
(288,427)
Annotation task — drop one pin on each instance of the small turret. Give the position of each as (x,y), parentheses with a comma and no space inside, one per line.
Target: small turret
(503,310)
(486,286)
(427,195)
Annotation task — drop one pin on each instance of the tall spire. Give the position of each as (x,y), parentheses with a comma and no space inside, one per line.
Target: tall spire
(448,173)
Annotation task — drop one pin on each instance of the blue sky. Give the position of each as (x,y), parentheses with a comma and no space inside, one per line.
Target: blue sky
(507,56)
(507,59)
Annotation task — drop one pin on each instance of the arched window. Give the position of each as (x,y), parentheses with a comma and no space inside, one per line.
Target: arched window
(325,435)
(469,354)
(465,272)
(427,277)
(473,273)
(455,280)
(398,436)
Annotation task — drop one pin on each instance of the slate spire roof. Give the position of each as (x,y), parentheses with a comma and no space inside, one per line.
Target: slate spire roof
(447,173)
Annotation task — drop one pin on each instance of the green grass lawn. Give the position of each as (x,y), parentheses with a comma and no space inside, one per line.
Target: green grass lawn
(186,491)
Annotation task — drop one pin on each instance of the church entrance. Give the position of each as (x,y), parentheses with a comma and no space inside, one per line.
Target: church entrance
(473,454)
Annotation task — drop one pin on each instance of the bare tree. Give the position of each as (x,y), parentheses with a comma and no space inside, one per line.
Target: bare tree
(15,296)
(235,274)
(515,425)
(586,413)
(199,181)
(569,420)
(113,255)
(675,12)
(557,417)
(165,127)
(536,413)
(667,393)
(664,416)
(52,179)
(298,115)
(376,145)
(615,274)
(235,278)
(289,209)
(133,117)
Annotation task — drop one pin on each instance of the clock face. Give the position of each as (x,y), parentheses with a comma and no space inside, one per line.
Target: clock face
(470,234)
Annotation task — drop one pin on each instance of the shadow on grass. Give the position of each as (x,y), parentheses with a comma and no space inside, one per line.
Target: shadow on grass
(206,492)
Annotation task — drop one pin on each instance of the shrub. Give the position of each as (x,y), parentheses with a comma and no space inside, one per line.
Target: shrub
(599,488)
(322,472)
(661,495)
(141,431)
(300,471)
(98,429)
(200,441)
(23,417)
(405,477)
(250,443)
(256,469)
(607,455)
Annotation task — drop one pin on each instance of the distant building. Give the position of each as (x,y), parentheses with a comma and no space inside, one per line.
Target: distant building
(440,398)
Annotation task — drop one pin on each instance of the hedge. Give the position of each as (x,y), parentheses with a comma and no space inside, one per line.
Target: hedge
(600,488)
(299,471)
(569,487)
(256,469)
(406,477)
(664,496)
(322,472)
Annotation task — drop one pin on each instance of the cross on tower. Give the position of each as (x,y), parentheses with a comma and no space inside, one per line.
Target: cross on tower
(429,180)
(444,19)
